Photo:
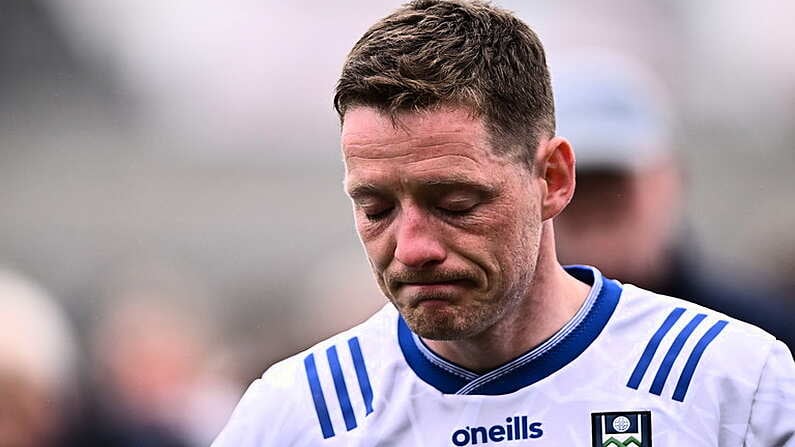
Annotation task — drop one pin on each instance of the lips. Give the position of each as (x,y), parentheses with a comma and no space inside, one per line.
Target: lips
(432,283)
(430,286)
(400,278)
(435,284)
(435,294)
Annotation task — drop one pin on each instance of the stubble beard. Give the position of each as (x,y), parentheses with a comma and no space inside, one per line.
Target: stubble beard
(459,321)
(466,318)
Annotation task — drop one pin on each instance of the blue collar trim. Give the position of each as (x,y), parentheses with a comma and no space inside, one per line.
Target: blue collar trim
(555,353)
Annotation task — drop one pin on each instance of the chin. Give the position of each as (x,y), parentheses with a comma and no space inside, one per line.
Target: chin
(444,324)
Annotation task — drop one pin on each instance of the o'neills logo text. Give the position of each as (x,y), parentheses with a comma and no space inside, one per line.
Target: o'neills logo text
(515,428)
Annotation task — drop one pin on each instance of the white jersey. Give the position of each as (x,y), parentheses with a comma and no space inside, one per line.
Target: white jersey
(631,368)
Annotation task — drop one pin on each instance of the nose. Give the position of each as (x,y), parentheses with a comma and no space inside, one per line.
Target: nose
(418,241)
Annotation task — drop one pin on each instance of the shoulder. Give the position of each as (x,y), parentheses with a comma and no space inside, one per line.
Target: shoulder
(675,343)
(368,345)
(298,396)
(659,313)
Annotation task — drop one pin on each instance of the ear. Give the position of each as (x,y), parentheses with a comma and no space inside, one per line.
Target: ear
(554,164)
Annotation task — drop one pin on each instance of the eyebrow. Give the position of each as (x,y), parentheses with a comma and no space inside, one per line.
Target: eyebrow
(364,190)
(358,190)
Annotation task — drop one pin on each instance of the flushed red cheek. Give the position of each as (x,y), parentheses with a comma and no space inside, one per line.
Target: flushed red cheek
(379,255)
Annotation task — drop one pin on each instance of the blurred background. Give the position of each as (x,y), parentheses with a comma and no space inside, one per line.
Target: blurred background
(170,187)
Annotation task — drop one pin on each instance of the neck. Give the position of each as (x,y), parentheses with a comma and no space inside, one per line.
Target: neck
(553,298)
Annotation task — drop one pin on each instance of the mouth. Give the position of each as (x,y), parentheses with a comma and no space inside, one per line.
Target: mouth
(435,292)
(434,283)
(462,282)
(431,287)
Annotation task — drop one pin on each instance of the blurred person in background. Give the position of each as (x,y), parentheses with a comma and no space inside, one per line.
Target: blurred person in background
(627,213)
(38,357)
(155,375)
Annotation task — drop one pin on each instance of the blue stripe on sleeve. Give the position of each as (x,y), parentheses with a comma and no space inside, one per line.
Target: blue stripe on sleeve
(695,356)
(673,352)
(651,348)
(361,374)
(317,397)
(341,388)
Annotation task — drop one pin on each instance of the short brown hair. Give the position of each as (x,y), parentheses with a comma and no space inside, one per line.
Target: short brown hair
(433,53)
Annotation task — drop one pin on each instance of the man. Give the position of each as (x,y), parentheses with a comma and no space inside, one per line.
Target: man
(455,174)
(626,214)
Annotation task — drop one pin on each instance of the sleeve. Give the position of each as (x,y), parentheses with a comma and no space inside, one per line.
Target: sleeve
(772,420)
(269,414)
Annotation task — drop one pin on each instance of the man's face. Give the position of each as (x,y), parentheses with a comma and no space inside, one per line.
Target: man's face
(451,229)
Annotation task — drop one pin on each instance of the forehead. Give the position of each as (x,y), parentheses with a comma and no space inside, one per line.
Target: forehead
(367,124)
(434,142)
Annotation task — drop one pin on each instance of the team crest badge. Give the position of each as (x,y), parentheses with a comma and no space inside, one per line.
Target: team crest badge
(621,429)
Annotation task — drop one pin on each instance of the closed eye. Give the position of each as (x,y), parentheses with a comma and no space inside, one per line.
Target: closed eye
(458,204)
(373,217)
(373,204)
(457,210)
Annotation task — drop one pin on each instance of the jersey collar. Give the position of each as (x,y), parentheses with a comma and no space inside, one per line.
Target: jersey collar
(555,353)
